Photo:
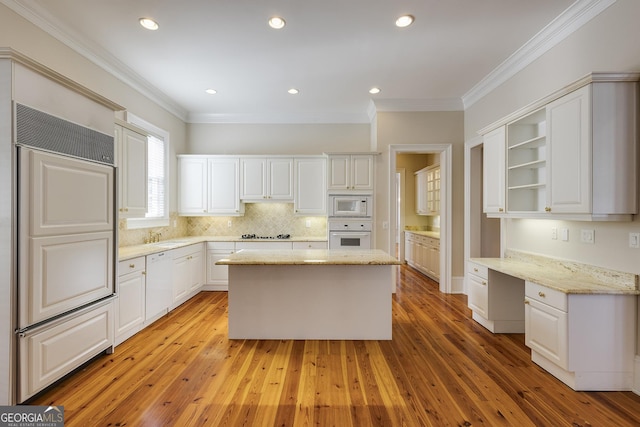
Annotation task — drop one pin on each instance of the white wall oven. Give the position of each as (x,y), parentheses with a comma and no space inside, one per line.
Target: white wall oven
(349,234)
(350,206)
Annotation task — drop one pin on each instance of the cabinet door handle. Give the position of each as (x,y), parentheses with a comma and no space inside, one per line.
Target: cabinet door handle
(526,301)
(132,266)
(547,209)
(475,269)
(500,210)
(541,294)
(144,273)
(484,283)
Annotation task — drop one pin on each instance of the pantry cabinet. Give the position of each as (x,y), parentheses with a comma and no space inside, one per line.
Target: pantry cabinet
(572,155)
(131,160)
(266,179)
(350,172)
(428,190)
(310,186)
(130,303)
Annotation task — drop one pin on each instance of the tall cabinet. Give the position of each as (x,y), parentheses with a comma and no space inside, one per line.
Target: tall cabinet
(131,158)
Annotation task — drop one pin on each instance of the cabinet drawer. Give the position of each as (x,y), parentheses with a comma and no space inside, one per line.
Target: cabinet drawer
(221,245)
(478,295)
(546,295)
(131,266)
(478,270)
(309,245)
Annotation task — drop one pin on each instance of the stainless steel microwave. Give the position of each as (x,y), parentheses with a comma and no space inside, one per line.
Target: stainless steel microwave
(350,206)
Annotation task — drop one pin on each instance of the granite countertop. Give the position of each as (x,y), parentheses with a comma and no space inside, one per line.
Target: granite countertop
(309,257)
(565,276)
(433,234)
(128,252)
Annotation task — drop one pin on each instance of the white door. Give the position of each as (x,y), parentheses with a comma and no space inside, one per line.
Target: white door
(224,176)
(339,170)
(193,185)
(362,172)
(280,179)
(493,179)
(254,175)
(310,186)
(133,174)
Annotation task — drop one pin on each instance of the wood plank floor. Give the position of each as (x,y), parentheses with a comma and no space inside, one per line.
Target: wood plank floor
(440,369)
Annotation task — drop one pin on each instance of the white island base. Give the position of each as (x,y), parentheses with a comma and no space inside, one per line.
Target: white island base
(310,301)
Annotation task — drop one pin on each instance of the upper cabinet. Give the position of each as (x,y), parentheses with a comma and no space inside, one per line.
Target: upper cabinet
(493,172)
(310,186)
(131,152)
(209,185)
(428,190)
(350,172)
(267,179)
(573,155)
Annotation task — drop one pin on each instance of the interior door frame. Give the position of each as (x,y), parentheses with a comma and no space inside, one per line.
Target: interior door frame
(446,158)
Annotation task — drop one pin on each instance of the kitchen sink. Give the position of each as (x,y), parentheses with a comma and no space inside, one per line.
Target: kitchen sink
(170,244)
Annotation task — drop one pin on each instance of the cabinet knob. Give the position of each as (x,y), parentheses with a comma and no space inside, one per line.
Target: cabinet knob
(500,210)
(475,269)
(484,283)
(526,301)
(144,273)
(547,209)
(132,266)
(204,210)
(541,294)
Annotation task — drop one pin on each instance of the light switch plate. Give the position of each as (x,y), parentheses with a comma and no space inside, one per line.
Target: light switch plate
(564,234)
(634,240)
(554,233)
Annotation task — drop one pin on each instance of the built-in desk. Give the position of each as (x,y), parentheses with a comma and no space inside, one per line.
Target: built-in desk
(579,320)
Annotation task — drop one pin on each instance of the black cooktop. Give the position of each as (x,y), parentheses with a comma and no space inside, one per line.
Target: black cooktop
(254,236)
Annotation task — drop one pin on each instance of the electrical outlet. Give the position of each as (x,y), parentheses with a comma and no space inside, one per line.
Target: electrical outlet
(229,223)
(307,223)
(554,233)
(634,240)
(588,236)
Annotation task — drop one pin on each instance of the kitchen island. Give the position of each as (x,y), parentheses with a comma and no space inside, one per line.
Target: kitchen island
(310,294)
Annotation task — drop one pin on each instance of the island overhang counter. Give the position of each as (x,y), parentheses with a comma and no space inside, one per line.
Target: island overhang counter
(310,294)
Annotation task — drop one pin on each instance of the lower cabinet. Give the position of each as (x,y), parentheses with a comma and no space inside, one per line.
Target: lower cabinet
(218,275)
(130,303)
(188,273)
(586,341)
(423,254)
(310,245)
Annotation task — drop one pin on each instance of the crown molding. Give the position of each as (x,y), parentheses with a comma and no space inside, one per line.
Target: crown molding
(275,118)
(34,14)
(574,17)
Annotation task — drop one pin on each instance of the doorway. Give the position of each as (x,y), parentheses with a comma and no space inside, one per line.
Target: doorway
(444,151)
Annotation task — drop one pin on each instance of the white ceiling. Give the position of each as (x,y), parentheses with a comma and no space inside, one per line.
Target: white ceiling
(333,51)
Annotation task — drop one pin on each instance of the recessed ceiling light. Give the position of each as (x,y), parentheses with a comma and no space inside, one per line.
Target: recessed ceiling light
(404,21)
(374,90)
(211,91)
(293,91)
(277,22)
(148,23)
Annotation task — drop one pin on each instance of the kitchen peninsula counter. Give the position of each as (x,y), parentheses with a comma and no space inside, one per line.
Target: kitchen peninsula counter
(310,294)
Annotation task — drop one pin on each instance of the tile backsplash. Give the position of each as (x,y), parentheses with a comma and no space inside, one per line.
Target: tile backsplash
(263,219)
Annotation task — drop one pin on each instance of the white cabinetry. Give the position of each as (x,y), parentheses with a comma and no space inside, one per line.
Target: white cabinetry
(129,307)
(310,245)
(131,157)
(493,171)
(423,254)
(310,186)
(587,341)
(572,155)
(495,299)
(209,185)
(428,190)
(218,275)
(266,178)
(188,273)
(350,172)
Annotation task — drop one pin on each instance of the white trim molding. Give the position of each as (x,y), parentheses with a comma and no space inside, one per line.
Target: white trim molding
(576,15)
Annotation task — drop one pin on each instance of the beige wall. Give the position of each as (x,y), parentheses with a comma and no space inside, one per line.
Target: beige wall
(276,138)
(24,37)
(421,128)
(609,42)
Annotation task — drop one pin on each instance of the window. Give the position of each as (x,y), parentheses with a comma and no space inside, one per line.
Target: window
(157,174)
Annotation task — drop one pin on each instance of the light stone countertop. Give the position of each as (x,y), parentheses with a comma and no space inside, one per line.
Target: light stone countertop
(562,275)
(432,234)
(128,252)
(309,257)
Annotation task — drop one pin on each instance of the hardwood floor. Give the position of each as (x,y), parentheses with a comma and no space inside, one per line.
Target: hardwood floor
(440,369)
